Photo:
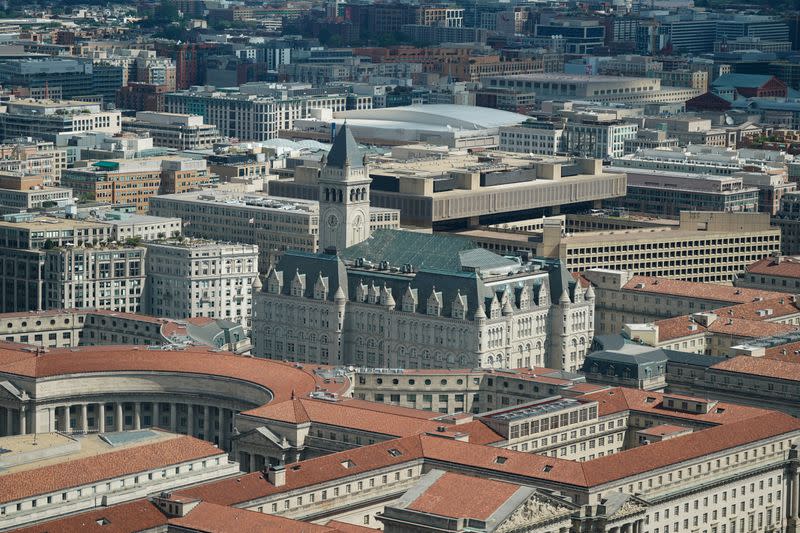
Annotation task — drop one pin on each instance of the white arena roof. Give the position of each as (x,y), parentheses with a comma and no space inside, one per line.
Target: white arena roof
(442,117)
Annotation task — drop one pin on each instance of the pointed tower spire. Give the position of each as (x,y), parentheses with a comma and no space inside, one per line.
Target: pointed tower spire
(344,151)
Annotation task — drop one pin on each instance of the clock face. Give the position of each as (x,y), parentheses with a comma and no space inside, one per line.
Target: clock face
(333,220)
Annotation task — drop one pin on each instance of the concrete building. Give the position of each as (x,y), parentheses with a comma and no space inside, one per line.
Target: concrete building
(191,278)
(533,137)
(71,77)
(622,297)
(274,224)
(595,88)
(136,181)
(432,189)
(665,194)
(333,327)
(253,113)
(576,471)
(180,132)
(18,201)
(127,226)
(775,273)
(788,220)
(703,246)
(47,119)
(121,468)
(30,156)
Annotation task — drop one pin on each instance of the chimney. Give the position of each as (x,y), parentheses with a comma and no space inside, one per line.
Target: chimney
(277,475)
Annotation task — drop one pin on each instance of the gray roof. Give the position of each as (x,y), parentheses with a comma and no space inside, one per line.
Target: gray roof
(421,250)
(345,150)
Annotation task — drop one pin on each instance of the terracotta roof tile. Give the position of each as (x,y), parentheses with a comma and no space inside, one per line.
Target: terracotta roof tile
(138,515)
(476,497)
(787,267)
(282,379)
(213,518)
(57,477)
(758,366)
(696,290)
(251,486)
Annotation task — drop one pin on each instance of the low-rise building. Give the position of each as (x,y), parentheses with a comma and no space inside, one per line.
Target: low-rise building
(136,181)
(623,297)
(774,273)
(117,469)
(48,119)
(702,246)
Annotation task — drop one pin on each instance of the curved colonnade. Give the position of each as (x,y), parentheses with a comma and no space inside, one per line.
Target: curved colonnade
(194,391)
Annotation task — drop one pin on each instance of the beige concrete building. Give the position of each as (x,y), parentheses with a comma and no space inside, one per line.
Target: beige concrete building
(172,130)
(273,224)
(703,247)
(189,278)
(434,189)
(622,297)
(604,458)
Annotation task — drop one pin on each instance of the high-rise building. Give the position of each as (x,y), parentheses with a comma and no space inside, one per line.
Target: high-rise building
(190,278)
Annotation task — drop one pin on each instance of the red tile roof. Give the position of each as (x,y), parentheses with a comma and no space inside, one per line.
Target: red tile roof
(758,366)
(696,290)
(367,416)
(251,486)
(213,518)
(138,515)
(787,267)
(61,476)
(477,497)
(282,379)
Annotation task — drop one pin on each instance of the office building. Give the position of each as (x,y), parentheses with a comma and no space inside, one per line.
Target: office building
(136,181)
(49,120)
(703,246)
(775,273)
(411,266)
(30,156)
(254,113)
(72,78)
(579,36)
(622,297)
(410,461)
(594,88)
(432,189)
(16,200)
(665,194)
(98,465)
(273,224)
(191,278)
(179,132)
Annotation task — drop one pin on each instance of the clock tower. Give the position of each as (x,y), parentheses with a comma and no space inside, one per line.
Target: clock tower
(343,194)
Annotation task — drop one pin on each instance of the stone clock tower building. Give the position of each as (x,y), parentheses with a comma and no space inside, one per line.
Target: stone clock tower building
(343,195)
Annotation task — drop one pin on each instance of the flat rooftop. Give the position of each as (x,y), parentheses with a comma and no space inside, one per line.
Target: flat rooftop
(28,452)
(536,409)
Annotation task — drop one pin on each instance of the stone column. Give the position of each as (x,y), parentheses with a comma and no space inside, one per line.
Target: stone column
(52,424)
(206,423)
(190,419)
(84,418)
(23,421)
(67,420)
(173,418)
(119,416)
(252,462)
(9,422)
(221,431)
(137,415)
(101,417)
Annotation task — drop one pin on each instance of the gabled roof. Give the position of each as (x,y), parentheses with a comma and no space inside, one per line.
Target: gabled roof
(752,81)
